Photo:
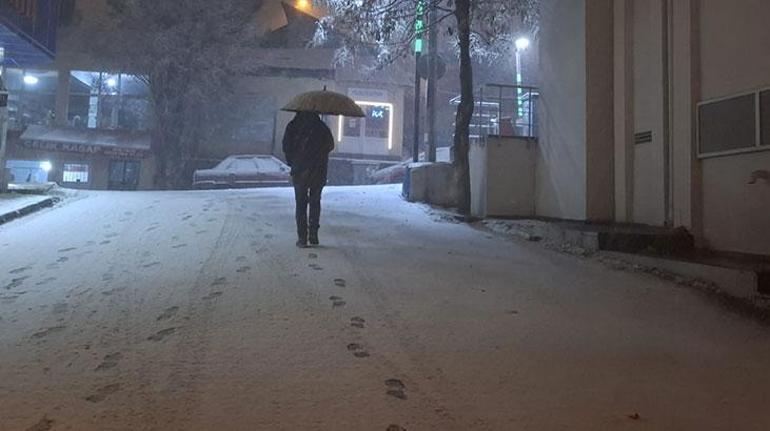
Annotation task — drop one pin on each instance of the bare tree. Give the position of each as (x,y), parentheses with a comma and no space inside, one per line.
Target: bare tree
(190,53)
(388,28)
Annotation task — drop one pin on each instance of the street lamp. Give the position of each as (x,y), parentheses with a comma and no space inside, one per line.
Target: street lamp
(31,79)
(522,44)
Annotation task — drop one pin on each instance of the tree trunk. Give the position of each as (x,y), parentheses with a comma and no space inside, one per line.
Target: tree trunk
(465,109)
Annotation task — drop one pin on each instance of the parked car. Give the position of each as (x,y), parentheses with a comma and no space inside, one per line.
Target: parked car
(395,174)
(244,171)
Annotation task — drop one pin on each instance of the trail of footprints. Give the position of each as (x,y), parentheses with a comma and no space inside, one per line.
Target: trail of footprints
(393,387)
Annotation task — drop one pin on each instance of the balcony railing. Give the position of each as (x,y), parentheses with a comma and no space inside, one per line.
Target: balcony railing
(504,110)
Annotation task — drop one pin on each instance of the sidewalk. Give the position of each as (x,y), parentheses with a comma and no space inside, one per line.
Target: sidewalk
(668,253)
(14,205)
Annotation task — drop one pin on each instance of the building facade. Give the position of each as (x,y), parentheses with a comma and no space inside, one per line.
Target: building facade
(658,112)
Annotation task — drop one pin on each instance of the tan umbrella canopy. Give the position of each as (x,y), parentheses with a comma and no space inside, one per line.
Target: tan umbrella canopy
(325,102)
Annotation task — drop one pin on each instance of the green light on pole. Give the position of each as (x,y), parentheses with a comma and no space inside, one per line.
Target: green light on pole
(419,28)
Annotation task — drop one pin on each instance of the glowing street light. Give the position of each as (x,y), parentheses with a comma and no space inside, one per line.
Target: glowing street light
(522,44)
(304,5)
(31,79)
(112,82)
(46,166)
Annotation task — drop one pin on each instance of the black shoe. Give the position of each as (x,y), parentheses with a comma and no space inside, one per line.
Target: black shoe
(313,238)
(301,243)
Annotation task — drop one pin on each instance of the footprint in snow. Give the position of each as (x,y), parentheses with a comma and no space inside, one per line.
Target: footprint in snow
(337,301)
(103,392)
(110,361)
(212,295)
(339,282)
(168,313)
(357,322)
(396,388)
(45,424)
(358,350)
(19,270)
(48,331)
(162,334)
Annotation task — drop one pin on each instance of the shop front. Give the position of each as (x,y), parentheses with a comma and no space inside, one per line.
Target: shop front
(82,159)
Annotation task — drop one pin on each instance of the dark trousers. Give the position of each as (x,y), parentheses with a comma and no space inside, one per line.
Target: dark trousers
(308,186)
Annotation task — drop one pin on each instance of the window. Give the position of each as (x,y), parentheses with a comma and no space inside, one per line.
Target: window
(728,125)
(31,98)
(352,127)
(75,173)
(104,101)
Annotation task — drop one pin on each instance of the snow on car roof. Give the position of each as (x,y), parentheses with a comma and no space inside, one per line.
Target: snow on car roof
(251,163)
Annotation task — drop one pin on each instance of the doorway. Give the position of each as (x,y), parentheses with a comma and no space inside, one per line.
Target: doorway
(124,174)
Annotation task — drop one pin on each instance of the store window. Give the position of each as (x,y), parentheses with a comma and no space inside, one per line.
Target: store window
(377,121)
(375,127)
(75,173)
(101,100)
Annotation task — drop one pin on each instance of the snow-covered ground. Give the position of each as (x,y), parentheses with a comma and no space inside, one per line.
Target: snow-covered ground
(194,311)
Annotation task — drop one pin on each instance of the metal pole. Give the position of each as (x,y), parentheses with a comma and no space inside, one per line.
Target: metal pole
(417,91)
(3,130)
(432,81)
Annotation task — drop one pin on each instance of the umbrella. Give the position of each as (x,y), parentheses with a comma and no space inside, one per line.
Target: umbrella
(326,103)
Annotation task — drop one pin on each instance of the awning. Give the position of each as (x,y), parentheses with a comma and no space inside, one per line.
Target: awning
(113,143)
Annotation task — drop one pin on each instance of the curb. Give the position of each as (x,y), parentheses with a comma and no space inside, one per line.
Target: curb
(29,209)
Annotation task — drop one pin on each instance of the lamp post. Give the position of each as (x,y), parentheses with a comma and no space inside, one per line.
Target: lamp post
(3,123)
(419,27)
(522,44)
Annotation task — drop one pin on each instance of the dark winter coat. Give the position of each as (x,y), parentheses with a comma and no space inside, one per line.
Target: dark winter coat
(307,143)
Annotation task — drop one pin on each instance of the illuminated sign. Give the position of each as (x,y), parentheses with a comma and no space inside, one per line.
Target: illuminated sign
(134,153)
(378,123)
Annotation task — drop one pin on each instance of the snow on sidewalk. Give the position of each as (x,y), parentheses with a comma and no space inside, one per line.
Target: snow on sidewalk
(13,202)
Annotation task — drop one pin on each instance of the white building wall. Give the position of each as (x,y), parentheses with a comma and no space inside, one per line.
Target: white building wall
(561,161)
(734,46)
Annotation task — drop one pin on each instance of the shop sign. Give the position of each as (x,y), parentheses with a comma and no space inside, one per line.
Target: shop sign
(84,149)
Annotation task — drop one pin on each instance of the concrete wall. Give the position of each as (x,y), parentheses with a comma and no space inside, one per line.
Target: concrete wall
(503,177)
(561,161)
(734,42)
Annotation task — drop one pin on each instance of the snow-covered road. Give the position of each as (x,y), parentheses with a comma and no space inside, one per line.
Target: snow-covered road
(195,311)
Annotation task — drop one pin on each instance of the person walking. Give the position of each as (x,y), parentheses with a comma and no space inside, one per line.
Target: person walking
(307,143)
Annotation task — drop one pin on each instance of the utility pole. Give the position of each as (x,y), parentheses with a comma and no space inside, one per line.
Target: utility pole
(3,124)
(419,26)
(432,80)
